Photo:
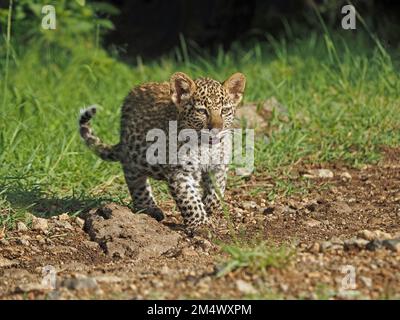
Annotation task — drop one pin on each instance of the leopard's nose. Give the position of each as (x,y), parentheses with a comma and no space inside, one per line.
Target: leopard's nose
(215,121)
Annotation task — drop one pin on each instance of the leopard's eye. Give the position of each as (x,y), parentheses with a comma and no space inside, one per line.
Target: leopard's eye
(225,110)
(202,110)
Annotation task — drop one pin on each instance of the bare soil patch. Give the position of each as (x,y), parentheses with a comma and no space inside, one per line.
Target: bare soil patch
(342,221)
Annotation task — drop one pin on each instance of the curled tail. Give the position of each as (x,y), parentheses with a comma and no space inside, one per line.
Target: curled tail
(104,151)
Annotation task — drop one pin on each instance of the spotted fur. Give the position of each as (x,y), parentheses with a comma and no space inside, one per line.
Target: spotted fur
(200,104)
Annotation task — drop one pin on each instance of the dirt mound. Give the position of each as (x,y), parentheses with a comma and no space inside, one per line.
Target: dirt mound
(122,233)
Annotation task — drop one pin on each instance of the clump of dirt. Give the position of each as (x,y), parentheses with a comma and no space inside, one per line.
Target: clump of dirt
(123,234)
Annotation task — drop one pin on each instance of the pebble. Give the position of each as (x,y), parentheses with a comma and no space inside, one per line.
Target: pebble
(315,247)
(312,223)
(80,222)
(319,173)
(21,226)
(39,224)
(248,205)
(63,217)
(346,176)
(374,235)
(245,287)
(366,281)
(325,245)
(64,224)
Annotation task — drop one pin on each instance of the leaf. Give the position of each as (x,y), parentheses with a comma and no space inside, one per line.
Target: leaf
(81,2)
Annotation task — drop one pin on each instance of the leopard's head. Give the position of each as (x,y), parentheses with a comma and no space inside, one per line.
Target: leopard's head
(205,103)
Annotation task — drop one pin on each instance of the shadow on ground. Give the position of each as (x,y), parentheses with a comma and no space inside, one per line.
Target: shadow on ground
(43,204)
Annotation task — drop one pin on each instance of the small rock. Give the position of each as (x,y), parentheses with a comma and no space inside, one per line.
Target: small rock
(336,240)
(374,235)
(248,205)
(63,224)
(319,173)
(381,235)
(245,287)
(355,243)
(204,243)
(366,234)
(346,176)
(284,287)
(80,283)
(325,173)
(315,247)
(21,226)
(366,281)
(393,245)
(63,217)
(312,223)
(80,222)
(325,245)
(39,224)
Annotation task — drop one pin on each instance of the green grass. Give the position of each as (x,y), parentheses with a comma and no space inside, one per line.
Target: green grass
(341,92)
(255,257)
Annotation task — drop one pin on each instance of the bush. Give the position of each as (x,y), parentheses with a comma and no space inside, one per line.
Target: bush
(75,20)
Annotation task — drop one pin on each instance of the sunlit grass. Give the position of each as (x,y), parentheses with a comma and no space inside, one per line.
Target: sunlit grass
(255,258)
(340,107)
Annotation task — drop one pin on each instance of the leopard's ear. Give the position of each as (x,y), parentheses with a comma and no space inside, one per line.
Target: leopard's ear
(235,85)
(182,88)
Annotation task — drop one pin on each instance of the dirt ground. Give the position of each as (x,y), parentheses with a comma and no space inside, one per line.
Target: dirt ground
(347,224)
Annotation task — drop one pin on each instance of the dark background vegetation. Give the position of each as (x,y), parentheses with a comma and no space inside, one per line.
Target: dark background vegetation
(152,27)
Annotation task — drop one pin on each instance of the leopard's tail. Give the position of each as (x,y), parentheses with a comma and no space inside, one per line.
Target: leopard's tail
(104,151)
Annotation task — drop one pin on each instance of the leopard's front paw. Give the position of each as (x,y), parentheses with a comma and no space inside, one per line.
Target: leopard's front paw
(153,212)
(202,228)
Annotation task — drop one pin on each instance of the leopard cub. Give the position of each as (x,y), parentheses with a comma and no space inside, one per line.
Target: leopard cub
(197,104)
